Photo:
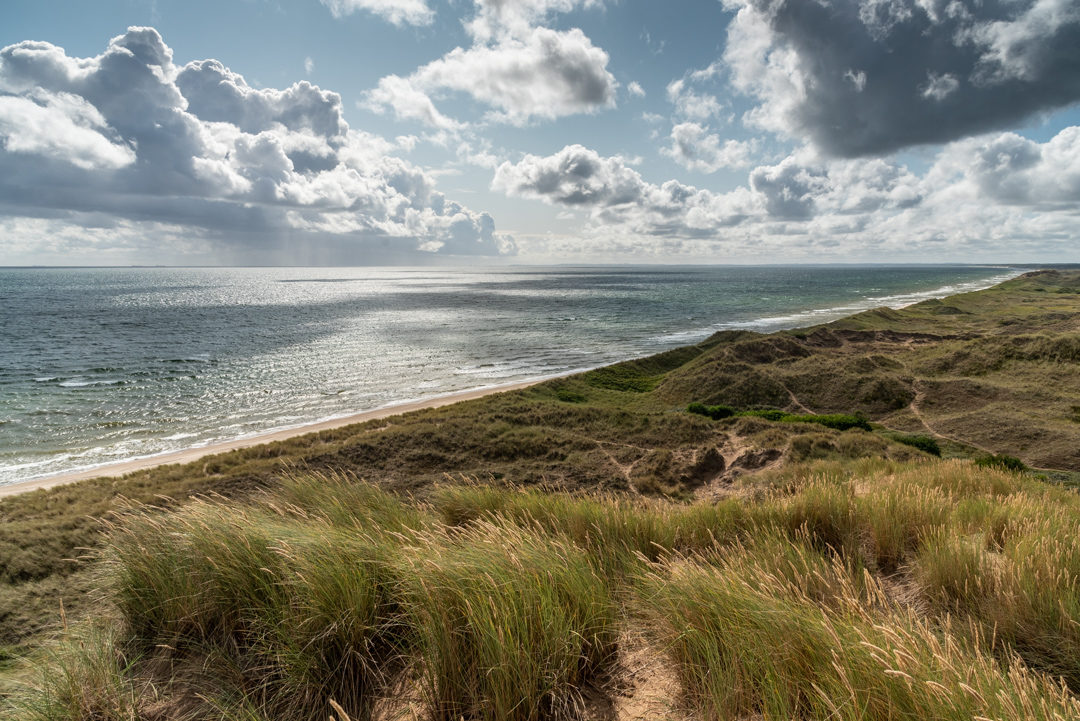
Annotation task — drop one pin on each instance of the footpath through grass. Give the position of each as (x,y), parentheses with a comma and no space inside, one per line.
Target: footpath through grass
(864,590)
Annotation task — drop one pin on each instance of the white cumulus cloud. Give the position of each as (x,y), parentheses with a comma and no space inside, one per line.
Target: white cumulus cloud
(130,136)
(518,69)
(695,148)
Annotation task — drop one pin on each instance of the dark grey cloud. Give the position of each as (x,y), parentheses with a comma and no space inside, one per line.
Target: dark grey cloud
(128,133)
(869,77)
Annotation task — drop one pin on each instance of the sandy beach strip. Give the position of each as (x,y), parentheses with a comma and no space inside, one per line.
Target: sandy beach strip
(193,454)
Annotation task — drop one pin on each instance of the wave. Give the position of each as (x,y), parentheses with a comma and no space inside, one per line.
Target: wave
(199,358)
(81,383)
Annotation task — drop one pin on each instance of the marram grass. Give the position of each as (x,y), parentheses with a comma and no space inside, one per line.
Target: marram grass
(867,590)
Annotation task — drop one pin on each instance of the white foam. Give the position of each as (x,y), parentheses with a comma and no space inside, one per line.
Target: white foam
(79,383)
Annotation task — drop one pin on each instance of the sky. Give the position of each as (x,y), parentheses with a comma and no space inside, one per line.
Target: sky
(365,132)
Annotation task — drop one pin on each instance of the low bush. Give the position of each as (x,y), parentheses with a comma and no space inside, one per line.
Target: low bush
(1001,461)
(837,421)
(714,412)
(767,414)
(926,444)
(568,396)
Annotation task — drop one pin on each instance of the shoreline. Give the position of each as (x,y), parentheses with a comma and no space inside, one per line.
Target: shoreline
(188,455)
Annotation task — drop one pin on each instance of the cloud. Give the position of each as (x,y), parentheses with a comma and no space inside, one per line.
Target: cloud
(309,66)
(398,12)
(616,195)
(61,126)
(516,18)
(801,187)
(408,103)
(635,89)
(870,77)
(215,93)
(999,193)
(130,136)
(692,104)
(520,70)
(542,74)
(690,101)
(1015,171)
(695,148)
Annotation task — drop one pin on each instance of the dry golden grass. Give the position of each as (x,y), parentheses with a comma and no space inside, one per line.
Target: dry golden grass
(866,590)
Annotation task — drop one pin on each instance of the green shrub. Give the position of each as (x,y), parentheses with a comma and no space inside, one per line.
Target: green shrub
(568,396)
(767,414)
(926,444)
(837,421)
(1001,461)
(714,412)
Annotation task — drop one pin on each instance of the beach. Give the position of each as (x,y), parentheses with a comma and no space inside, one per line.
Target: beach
(193,454)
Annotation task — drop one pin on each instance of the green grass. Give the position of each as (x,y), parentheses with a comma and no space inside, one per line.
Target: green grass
(836,421)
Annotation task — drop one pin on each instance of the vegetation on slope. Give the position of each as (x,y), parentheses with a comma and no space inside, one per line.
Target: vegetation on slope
(277,596)
(863,590)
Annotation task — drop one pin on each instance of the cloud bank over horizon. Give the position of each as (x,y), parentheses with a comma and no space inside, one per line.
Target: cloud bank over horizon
(852,130)
(129,135)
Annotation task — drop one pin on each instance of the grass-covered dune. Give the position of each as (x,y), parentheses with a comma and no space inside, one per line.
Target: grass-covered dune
(861,590)
(588,547)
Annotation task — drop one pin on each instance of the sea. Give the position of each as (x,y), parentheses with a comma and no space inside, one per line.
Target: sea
(110,364)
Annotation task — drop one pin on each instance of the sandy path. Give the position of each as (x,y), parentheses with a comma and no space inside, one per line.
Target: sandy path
(193,454)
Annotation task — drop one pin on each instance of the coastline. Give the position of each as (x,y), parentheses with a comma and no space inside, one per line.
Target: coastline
(188,455)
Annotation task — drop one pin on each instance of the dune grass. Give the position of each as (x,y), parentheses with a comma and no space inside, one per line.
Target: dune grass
(859,590)
(509,622)
(806,641)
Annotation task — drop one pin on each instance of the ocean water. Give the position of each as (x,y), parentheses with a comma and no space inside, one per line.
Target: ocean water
(104,365)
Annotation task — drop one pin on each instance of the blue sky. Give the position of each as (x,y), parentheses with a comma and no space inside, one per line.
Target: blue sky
(415,131)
